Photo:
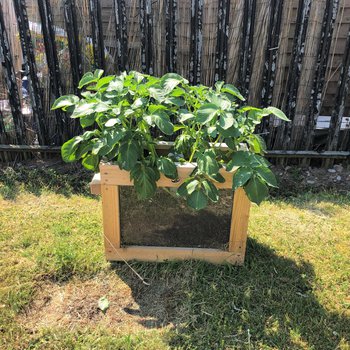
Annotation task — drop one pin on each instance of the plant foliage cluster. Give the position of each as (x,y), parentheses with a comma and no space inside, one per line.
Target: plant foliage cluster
(126,115)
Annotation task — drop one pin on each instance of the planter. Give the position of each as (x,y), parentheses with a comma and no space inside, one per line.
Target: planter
(107,184)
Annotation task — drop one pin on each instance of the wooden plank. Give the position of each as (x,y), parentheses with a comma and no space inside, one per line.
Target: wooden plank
(112,175)
(121,34)
(95,184)
(170,35)
(239,224)
(145,253)
(111,219)
(146,26)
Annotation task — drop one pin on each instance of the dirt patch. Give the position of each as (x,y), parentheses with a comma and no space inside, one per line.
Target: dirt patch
(75,304)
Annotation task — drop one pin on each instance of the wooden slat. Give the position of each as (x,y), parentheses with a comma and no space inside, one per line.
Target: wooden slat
(111,220)
(239,224)
(95,184)
(158,254)
(113,175)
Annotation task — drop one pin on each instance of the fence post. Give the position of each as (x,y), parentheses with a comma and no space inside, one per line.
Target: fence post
(11,83)
(339,105)
(70,19)
(146,24)
(29,60)
(121,34)
(222,37)
(170,35)
(196,41)
(245,57)
(53,64)
(97,34)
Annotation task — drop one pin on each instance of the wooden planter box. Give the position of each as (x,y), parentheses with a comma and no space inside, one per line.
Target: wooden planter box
(107,184)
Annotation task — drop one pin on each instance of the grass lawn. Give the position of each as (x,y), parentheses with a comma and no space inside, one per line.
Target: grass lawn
(292,293)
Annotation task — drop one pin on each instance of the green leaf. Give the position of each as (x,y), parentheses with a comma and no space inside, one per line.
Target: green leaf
(185,116)
(241,176)
(167,167)
(144,181)
(69,148)
(218,178)
(256,190)
(65,101)
(103,304)
(170,80)
(197,199)
(87,120)
(129,152)
(277,112)
(206,113)
(98,73)
(116,85)
(231,89)
(87,79)
(139,102)
(111,122)
(211,191)
(91,161)
(226,120)
(239,158)
(267,175)
(257,144)
(104,81)
(113,136)
(207,163)
(188,186)
(162,120)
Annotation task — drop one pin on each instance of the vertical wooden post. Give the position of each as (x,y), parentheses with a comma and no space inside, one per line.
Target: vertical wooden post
(70,19)
(196,41)
(239,224)
(246,46)
(53,65)
(121,34)
(146,25)
(29,59)
(111,219)
(222,37)
(284,138)
(97,34)
(170,35)
(340,100)
(11,84)
(330,14)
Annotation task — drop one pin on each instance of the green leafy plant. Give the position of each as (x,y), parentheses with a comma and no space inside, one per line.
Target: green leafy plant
(126,115)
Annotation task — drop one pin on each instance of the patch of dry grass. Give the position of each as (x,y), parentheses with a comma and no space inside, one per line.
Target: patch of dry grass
(292,292)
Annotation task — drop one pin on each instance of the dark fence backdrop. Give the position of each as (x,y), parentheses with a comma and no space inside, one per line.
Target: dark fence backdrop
(291,54)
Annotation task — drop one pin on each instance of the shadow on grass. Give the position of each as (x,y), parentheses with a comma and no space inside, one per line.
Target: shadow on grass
(64,179)
(267,303)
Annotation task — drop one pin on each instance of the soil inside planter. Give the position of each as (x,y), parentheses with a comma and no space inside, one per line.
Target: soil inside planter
(166,220)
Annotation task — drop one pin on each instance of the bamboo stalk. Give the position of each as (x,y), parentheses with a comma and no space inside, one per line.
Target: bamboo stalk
(97,34)
(222,38)
(121,34)
(293,81)
(246,46)
(170,35)
(196,41)
(71,22)
(11,84)
(53,65)
(146,25)
(341,96)
(330,14)
(29,59)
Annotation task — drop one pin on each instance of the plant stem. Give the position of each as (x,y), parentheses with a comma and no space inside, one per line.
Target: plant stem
(195,144)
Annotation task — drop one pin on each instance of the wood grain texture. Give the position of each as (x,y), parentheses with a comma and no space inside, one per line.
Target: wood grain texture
(239,224)
(112,175)
(111,220)
(159,254)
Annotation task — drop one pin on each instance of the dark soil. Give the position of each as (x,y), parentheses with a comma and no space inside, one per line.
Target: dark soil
(165,220)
